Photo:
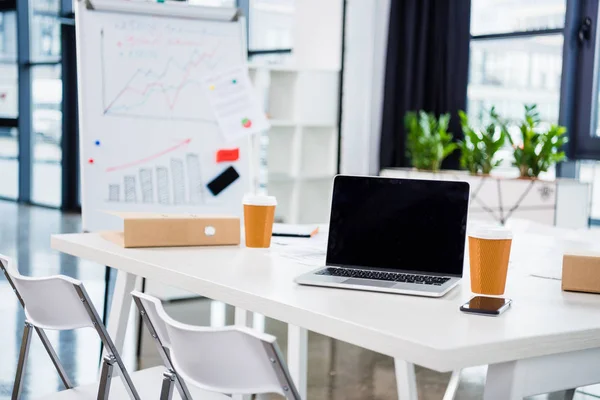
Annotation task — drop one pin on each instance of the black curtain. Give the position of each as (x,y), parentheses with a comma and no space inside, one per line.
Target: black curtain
(427,68)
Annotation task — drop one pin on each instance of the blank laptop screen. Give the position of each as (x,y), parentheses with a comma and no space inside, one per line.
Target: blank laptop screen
(398,224)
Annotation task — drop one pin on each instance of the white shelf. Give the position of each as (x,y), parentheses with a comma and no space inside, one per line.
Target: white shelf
(287,68)
(303,139)
(307,124)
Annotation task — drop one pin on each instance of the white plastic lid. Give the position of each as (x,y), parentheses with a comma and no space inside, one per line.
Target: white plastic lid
(491,233)
(259,200)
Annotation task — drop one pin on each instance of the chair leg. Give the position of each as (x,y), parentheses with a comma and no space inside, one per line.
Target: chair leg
(105,377)
(57,364)
(109,346)
(166,392)
(25,342)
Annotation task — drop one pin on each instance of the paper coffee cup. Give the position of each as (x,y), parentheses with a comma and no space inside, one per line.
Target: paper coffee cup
(259,214)
(489,253)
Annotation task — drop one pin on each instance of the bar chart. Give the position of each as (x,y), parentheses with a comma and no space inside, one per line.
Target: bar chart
(176,182)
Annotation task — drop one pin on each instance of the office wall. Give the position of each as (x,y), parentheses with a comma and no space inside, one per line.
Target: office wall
(365,46)
(318,34)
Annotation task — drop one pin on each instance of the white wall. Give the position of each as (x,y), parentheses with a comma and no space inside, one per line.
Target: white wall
(364,71)
(318,34)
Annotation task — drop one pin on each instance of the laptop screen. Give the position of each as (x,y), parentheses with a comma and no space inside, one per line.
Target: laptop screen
(398,224)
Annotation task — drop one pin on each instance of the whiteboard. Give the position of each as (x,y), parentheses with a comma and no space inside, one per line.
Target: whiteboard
(148,137)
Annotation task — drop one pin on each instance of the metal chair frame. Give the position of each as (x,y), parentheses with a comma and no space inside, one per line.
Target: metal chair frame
(171,378)
(108,362)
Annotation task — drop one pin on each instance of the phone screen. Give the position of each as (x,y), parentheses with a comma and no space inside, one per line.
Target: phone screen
(485,305)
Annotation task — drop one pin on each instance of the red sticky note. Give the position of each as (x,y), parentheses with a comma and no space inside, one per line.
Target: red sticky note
(225,155)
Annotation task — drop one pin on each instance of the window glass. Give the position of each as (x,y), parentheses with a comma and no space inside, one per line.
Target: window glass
(46,6)
(45,37)
(507,73)
(8,65)
(502,16)
(9,163)
(47,130)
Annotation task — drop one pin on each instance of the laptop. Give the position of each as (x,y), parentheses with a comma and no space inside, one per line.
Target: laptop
(394,235)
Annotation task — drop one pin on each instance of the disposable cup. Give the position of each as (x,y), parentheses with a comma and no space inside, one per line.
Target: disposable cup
(489,253)
(259,214)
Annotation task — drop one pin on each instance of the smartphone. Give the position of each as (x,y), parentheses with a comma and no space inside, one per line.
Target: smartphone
(492,306)
(222,181)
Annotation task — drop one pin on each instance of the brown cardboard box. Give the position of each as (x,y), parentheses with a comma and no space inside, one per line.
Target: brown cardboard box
(167,230)
(581,272)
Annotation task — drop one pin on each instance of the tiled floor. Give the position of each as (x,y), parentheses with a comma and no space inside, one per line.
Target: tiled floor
(337,370)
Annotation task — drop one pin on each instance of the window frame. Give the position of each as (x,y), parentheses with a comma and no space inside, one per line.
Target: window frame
(578,98)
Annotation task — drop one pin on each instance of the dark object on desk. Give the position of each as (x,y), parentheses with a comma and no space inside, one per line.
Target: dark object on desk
(491,306)
(298,231)
(222,181)
(581,272)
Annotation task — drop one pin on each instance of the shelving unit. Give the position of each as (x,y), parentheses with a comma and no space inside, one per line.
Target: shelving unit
(302,105)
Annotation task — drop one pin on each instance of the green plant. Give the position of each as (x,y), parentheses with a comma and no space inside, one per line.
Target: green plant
(428,139)
(538,149)
(479,147)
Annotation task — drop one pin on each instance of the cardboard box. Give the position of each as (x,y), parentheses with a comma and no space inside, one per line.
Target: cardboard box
(167,230)
(581,272)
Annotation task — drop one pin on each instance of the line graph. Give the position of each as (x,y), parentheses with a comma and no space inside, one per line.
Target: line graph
(157,78)
(149,158)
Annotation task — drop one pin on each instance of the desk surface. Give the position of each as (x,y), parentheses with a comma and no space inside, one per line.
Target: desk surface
(425,331)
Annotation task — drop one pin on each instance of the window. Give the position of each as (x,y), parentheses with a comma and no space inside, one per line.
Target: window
(47,130)
(545,52)
(516,58)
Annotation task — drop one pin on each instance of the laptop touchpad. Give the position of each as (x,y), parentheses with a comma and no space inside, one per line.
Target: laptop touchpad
(364,282)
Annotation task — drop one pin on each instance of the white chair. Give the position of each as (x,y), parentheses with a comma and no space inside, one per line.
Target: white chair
(231,360)
(60,303)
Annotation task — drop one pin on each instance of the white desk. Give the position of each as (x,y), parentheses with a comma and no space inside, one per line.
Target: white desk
(548,341)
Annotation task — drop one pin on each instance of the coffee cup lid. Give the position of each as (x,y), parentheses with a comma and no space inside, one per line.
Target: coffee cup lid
(259,200)
(492,233)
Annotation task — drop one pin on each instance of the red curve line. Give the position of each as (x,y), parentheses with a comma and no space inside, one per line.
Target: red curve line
(149,158)
(170,104)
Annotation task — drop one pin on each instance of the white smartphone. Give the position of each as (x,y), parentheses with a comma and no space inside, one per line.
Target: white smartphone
(491,306)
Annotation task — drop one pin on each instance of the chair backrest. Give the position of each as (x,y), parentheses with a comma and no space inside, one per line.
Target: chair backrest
(50,302)
(151,304)
(230,360)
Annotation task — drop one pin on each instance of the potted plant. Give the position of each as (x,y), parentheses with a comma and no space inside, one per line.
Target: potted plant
(539,148)
(479,147)
(428,139)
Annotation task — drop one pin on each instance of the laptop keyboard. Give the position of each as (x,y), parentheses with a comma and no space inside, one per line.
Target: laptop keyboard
(385,276)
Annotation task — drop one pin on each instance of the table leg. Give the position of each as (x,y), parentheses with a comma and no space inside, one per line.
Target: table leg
(297,353)
(452,385)
(406,381)
(242,318)
(515,380)
(120,309)
(569,394)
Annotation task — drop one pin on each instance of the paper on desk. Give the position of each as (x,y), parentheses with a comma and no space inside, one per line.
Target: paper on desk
(542,255)
(235,103)
(304,251)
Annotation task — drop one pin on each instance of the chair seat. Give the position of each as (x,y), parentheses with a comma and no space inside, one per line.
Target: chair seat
(147,382)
